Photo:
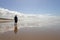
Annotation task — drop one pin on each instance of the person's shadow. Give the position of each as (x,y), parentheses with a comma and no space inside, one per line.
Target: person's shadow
(15,28)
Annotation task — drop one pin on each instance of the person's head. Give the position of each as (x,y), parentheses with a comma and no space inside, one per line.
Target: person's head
(15,15)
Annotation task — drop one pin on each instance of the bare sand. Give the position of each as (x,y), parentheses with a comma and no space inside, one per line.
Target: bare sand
(31,34)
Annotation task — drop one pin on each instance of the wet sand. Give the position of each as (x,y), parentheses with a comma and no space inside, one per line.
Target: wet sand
(2,21)
(29,33)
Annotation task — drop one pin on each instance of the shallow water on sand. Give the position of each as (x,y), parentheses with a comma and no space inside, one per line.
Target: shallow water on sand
(29,31)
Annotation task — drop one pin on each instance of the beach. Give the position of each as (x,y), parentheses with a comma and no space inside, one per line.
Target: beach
(29,19)
(11,31)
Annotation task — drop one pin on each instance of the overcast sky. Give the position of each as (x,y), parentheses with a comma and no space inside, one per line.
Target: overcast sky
(32,6)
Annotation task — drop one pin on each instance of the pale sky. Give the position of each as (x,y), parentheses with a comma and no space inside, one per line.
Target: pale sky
(32,6)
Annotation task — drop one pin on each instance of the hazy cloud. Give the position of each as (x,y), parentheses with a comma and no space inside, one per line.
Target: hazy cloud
(5,13)
(31,19)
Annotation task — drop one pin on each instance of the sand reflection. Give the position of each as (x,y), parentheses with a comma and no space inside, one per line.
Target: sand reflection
(15,28)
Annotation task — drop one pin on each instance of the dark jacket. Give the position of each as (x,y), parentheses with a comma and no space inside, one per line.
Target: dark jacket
(16,19)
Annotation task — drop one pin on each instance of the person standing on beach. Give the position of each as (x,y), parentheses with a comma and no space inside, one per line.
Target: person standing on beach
(16,19)
(15,24)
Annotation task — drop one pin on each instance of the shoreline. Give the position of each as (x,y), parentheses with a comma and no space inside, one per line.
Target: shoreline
(5,20)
